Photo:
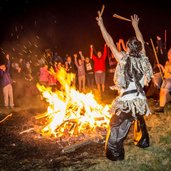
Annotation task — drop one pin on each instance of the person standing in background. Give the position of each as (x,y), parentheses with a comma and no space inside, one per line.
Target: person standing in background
(6,83)
(99,69)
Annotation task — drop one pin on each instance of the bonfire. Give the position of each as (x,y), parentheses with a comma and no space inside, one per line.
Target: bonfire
(70,112)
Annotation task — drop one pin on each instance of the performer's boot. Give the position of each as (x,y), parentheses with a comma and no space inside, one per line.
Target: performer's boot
(141,137)
(118,131)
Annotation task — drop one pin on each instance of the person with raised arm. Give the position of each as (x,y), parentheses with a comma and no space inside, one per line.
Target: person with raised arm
(79,62)
(6,83)
(99,69)
(133,72)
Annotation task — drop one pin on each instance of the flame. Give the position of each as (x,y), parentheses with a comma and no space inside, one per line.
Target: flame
(69,111)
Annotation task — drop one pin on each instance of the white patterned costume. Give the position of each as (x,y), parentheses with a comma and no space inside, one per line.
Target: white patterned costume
(130,105)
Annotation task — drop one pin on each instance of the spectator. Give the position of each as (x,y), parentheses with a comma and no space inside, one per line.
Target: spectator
(44,75)
(71,69)
(89,73)
(165,89)
(99,68)
(6,84)
(80,71)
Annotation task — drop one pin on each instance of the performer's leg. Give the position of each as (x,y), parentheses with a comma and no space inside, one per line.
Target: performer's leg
(141,137)
(119,127)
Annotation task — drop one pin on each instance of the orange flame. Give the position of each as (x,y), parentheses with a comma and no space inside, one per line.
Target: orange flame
(69,110)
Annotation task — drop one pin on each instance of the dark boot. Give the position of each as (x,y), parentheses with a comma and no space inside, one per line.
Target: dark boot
(141,137)
(115,151)
(118,130)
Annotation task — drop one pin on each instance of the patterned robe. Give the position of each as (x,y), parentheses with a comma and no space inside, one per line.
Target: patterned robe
(130,99)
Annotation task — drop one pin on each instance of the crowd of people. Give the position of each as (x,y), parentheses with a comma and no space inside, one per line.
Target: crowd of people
(18,76)
(91,72)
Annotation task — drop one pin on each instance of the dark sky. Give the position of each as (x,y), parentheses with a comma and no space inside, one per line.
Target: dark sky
(69,26)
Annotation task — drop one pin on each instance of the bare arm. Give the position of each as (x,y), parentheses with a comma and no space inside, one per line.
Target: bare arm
(75,60)
(82,56)
(108,38)
(121,42)
(135,21)
(91,51)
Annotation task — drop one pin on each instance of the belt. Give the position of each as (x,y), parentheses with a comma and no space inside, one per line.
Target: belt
(129,92)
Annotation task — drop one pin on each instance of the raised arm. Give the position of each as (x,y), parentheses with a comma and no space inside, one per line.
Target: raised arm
(75,60)
(91,51)
(108,39)
(81,55)
(135,21)
(121,42)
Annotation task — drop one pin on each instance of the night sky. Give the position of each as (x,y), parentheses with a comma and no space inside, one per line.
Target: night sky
(70,26)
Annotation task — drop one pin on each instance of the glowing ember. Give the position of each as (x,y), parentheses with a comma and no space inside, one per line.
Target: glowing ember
(69,111)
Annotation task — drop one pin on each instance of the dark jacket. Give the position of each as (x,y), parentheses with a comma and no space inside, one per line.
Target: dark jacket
(5,77)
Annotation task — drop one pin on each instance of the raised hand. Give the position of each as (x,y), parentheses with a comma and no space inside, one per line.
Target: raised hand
(99,18)
(135,20)
(91,46)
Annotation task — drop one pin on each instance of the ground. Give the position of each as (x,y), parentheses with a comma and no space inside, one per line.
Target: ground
(22,148)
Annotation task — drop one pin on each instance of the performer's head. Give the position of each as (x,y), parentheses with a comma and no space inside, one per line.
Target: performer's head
(99,54)
(134,47)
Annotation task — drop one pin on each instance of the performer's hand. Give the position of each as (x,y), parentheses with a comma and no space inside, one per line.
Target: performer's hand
(99,18)
(135,20)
